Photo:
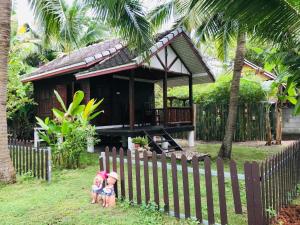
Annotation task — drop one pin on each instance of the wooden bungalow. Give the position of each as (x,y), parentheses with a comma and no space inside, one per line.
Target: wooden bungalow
(260,72)
(125,81)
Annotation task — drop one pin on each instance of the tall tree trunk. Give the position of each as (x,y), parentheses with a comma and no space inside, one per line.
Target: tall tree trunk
(225,150)
(7,173)
(278,122)
(268,126)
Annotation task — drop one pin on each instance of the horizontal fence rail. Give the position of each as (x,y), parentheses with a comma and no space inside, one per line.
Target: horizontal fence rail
(180,188)
(27,160)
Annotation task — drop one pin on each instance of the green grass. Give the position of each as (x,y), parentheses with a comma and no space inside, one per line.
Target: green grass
(66,199)
(240,153)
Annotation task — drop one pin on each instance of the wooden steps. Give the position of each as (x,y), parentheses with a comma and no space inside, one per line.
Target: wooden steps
(161,141)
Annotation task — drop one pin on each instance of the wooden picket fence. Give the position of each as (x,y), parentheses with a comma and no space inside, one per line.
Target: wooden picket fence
(188,189)
(272,185)
(177,189)
(27,159)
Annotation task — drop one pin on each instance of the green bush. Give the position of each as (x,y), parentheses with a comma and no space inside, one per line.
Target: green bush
(68,133)
(219,92)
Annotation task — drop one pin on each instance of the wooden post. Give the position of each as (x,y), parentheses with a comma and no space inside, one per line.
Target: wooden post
(131,100)
(165,89)
(85,87)
(191,97)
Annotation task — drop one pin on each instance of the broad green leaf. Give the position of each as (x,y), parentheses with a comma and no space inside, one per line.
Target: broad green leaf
(88,109)
(65,127)
(59,99)
(292,100)
(58,114)
(297,108)
(269,66)
(95,115)
(95,106)
(77,99)
(41,123)
(45,137)
(79,110)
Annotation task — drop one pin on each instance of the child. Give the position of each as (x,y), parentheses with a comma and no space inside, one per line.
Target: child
(98,185)
(108,194)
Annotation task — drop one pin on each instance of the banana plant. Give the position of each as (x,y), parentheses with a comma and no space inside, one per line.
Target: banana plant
(67,124)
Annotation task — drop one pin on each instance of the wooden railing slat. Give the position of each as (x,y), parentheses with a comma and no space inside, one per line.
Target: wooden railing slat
(138,178)
(209,192)
(197,190)
(107,163)
(122,173)
(222,193)
(155,178)
(186,192)
(175,186)
(165,182)
(146,177)
(115,167)
(129,168)
(235,187)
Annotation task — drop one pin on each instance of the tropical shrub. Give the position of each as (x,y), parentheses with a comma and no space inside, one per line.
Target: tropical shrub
(67,133)
(219,92)
(20,103)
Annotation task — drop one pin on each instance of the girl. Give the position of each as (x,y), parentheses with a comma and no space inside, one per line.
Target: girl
(98,185)
(108,194)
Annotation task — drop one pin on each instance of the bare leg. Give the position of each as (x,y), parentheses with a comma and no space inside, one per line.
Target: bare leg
(104,201)
(107,199)
(94,198)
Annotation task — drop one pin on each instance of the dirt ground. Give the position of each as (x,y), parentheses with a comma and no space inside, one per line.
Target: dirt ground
(289,216)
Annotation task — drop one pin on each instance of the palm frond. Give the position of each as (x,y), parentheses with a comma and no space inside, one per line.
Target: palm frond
(162,14)
(127,18)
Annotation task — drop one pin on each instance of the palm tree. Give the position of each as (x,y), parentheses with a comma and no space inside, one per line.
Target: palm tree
(268,20)
(124,17)
(7,173)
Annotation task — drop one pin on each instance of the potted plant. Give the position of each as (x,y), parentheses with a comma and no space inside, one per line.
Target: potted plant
(140,145)
(140,142)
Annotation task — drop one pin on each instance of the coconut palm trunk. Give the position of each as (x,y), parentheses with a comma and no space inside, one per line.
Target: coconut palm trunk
(268,125)
(225,150)
(278,109)
(7,173)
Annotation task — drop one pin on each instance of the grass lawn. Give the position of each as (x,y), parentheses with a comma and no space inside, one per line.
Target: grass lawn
(241,152)
(66,199)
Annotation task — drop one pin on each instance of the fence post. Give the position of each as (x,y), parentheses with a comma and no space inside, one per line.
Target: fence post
(253,193)
(102,156)
(36,137)
(49,164)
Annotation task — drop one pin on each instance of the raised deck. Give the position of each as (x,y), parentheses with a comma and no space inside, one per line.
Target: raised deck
(138,131)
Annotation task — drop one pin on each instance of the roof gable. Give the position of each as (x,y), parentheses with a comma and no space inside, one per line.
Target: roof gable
(106,57)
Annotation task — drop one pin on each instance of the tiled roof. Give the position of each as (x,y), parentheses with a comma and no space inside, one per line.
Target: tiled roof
(85,55)
(112,53)
(121,57)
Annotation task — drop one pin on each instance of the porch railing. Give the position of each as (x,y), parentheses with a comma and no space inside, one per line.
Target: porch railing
(175,115)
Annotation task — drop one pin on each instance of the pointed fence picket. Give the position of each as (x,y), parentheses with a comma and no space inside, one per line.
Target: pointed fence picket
(175,185)
(28,160)
(269,186)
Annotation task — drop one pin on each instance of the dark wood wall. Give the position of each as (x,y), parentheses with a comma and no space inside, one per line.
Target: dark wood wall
(114,91)
(44,94)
